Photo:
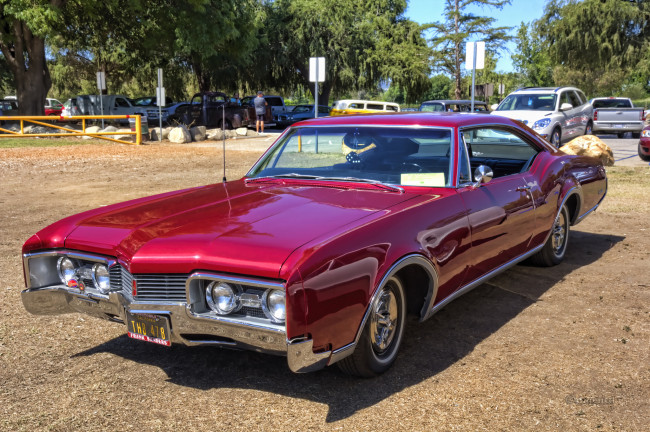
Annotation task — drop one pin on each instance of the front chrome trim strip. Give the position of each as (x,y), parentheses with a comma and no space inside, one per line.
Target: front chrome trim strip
(301,357)
(593,209)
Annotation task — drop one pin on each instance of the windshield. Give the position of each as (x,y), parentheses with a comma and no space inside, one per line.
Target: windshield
(534,102)
(402,156)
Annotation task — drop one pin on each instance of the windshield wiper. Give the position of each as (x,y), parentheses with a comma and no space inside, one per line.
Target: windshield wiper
(337,179)
(281,176)
(364,180)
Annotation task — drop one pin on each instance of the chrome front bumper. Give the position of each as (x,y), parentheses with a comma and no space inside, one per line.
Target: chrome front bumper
(186,327)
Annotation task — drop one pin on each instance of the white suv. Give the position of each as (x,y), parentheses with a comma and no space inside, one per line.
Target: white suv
(558,114)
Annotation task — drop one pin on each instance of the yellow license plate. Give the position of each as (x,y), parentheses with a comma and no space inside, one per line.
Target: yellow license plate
(149,328)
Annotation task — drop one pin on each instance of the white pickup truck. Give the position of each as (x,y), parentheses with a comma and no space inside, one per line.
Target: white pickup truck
(111,104)
(617,115)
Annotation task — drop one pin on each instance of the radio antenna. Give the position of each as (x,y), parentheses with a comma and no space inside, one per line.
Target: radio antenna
(223,133)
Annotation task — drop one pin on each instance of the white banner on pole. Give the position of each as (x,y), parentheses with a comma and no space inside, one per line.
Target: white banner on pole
(160,96)
(101,81)
(480,55)
(316,70)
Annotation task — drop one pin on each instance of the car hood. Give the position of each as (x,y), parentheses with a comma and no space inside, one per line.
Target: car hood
(231,227)
(527,117)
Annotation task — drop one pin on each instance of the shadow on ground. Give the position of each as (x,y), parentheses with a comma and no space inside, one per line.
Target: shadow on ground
(428,349)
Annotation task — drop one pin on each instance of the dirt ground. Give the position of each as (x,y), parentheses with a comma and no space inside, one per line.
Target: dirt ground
(565,348)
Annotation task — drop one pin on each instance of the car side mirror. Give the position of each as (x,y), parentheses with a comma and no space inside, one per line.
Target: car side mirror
(482,174)
(493,107)
(566,107)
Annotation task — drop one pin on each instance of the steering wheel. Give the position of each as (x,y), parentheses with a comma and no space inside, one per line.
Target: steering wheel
(412,167)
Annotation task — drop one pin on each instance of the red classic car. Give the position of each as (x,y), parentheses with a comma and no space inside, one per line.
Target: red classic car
(342,228)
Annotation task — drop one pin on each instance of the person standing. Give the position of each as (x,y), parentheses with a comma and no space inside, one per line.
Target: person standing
(260,110)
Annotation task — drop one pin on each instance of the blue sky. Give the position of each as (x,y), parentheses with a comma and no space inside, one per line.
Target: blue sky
(427,11)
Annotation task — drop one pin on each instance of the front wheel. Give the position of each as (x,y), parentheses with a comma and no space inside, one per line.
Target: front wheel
(555,247)
(644,157)
(556,138)
(382,334)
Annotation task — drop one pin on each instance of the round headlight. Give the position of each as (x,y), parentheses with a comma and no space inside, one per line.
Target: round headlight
(65,268)
(222,297)
(101,278)
(274,305)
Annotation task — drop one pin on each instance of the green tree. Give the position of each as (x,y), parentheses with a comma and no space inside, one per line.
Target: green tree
(24,26)
(451,35)
(532,59)
(599,45)
(364,42)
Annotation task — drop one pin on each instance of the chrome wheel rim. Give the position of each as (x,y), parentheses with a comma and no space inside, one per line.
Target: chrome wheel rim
(383,320)
(558,237)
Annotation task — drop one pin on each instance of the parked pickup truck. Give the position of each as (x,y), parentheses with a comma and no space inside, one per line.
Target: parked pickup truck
(111,104)
(616,115)
(208,109)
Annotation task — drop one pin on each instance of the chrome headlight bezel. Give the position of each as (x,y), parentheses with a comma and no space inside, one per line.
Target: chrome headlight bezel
(102,282)
(69,270)
(230,291)
(274,305)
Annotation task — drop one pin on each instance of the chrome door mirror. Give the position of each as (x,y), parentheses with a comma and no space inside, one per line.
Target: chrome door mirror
(482,174)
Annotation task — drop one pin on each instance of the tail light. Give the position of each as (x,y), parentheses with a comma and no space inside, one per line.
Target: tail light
(596,115)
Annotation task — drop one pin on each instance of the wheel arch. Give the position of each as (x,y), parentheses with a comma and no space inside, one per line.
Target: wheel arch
(420,280)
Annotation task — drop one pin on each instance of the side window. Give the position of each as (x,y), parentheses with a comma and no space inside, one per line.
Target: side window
(582,97)
(575,100)
(354,105)
(196,100)
(274,101)
(391,108)
(565,99)
(120,102)
(499,149)
(377,107)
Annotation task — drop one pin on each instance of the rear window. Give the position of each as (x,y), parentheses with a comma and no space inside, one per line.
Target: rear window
(612,103)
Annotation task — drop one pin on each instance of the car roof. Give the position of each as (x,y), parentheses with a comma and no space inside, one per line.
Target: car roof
(439,119)
(543,89)
(452,101)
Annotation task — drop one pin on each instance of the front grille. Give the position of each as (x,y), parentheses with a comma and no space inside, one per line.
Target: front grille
(161,287)
(152,287)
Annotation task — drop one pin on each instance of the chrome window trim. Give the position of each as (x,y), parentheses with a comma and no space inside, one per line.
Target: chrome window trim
(291,129)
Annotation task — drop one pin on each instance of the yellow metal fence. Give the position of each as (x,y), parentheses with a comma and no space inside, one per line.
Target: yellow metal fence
(47,121)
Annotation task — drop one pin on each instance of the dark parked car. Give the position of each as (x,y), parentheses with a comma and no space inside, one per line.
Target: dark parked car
(211,109)
(301,112)
(344,227)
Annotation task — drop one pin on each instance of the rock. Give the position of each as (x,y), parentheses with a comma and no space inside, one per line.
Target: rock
(198,133)
(156,131)
(180,135)
(230,133)
(109,128)
(215,134)
(241,131)
(122,136)
(591,146)
(252,133)
(91,129)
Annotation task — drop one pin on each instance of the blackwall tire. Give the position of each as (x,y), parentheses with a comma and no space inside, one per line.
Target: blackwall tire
(556,245)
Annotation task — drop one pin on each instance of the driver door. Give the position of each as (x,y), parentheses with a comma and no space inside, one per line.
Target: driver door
(501,212)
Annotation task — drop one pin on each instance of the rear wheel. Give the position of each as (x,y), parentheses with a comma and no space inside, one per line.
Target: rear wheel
(636,134)
(555,247)
(556,137)
(589,129)
(228,124)
(382,334)
(621,135)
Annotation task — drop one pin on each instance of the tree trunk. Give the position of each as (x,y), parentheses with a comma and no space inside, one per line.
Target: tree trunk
(26,59)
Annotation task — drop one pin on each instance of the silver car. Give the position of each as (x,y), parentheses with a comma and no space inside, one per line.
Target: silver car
(558,114)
